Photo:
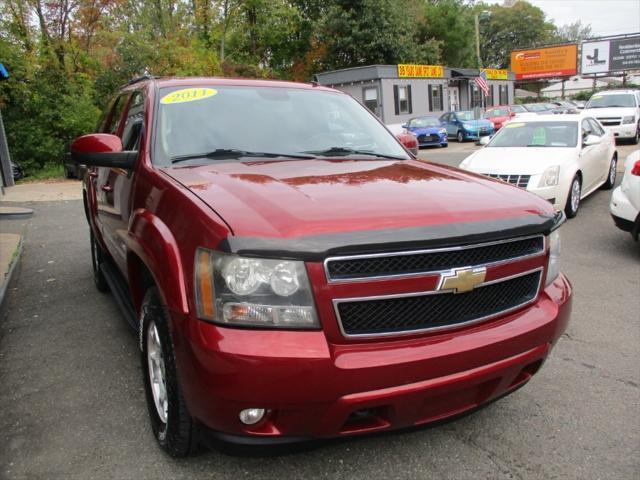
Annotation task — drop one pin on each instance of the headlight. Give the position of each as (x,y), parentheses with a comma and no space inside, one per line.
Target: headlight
(443,130)
(554,256)
(550,177)
(266,293)
(468,126)
(628,119)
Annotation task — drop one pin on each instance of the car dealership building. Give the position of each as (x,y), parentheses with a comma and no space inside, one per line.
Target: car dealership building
(398,92)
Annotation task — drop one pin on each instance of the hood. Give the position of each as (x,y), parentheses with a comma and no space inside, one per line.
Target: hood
(610,111)
(297,198)
(516,161)
(481,122)
(425,130)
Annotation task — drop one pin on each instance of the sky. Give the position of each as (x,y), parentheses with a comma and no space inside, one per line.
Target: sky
(607,17)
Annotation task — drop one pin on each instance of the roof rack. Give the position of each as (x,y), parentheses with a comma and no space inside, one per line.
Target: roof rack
(146,76)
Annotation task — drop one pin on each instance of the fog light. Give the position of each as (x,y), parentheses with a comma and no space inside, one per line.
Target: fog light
(251,416)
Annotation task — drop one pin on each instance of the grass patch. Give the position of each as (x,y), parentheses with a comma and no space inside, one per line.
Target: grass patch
(48,171)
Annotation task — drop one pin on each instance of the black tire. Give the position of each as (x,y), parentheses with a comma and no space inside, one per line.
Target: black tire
(460,136)
(571,208)
(611,174)
(177,436)
(444,145)
(97,257)
(68,173)
(636,139)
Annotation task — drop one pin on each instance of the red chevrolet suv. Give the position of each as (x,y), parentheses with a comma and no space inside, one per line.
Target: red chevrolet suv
(295,273)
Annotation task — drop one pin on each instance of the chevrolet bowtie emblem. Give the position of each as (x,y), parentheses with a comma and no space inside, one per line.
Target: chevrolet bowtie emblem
(462,280)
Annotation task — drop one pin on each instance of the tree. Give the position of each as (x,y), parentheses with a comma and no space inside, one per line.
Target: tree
(504,28)
(361,32)
(574,32)
(451,23)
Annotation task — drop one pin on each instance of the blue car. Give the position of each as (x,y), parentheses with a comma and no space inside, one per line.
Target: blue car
(462,126)
(428,130)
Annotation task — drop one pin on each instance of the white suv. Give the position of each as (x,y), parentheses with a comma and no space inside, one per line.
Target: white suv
(625,201)
(617,111)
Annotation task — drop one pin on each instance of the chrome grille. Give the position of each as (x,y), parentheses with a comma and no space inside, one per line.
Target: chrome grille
(518,180)
(609,121)
(411,313)
(398,264)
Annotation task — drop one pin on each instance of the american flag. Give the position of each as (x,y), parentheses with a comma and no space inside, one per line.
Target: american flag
(481,82)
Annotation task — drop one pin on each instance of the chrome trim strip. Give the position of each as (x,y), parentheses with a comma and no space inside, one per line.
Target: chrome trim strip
(421,252)
(338,301)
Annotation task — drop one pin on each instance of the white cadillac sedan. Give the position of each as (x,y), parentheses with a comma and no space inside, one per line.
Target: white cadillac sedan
(562,158)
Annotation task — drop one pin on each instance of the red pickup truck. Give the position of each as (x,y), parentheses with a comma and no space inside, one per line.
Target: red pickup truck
(295,273)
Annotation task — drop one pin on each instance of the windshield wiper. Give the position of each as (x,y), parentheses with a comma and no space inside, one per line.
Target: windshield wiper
(345,151)
(225,153)
(534,145)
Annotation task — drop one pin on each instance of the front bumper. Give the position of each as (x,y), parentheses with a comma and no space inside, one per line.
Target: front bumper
(317,389)
(432,140)
(476,135)
(622,131)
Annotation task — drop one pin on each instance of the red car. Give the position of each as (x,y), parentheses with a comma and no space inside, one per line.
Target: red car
(500,114)
(294,273)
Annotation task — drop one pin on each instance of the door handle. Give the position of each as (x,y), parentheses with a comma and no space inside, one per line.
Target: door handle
(106,188)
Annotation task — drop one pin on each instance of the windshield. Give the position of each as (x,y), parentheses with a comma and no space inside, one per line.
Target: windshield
(238,121)
(536,134)
(497,112)
(535,107)
(616,100)
(464,116)
(424,122)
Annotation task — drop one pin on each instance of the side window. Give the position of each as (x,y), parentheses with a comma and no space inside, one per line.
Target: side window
(586,129)
(370,97)
(595,127)
(133,122)
(113,118)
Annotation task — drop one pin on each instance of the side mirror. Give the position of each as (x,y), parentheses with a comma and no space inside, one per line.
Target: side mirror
(591,140)
(409,141)
(102,150)
(483,140)
(406,125)
(512,114)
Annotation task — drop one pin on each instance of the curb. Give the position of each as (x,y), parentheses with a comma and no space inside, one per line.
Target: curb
(7,280)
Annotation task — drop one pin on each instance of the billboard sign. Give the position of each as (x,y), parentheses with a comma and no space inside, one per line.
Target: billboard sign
(420,71)
(545,62)
(613,55)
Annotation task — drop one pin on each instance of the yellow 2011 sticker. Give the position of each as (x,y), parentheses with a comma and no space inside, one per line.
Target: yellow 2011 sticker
(188,95)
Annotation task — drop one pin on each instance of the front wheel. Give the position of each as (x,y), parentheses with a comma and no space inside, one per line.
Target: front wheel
(170,421)
(460,136)
(444,145)
(636,139)
(573,199)
(611,175)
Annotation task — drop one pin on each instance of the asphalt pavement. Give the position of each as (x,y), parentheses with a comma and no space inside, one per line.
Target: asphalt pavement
(72,404)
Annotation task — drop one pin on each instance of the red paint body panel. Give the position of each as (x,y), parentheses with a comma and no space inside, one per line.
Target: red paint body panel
(312,381)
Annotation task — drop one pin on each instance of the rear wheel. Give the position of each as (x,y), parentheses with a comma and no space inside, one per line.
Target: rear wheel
(611,176)
(573,199)
(460,136)
(97,257)
(636,139)
(170,421)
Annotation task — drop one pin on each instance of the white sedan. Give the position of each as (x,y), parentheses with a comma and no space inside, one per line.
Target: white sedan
(562,158)
(625,201)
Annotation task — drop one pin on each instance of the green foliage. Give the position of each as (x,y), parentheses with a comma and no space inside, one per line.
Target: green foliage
(451,23)
(366,32)
(505,28)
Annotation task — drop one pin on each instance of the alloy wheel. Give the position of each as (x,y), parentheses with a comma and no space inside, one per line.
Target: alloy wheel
(612,171)
(575,194)
(157,376)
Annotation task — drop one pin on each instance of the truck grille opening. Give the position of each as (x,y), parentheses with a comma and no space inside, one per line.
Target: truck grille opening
(436,310)
(412,263)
